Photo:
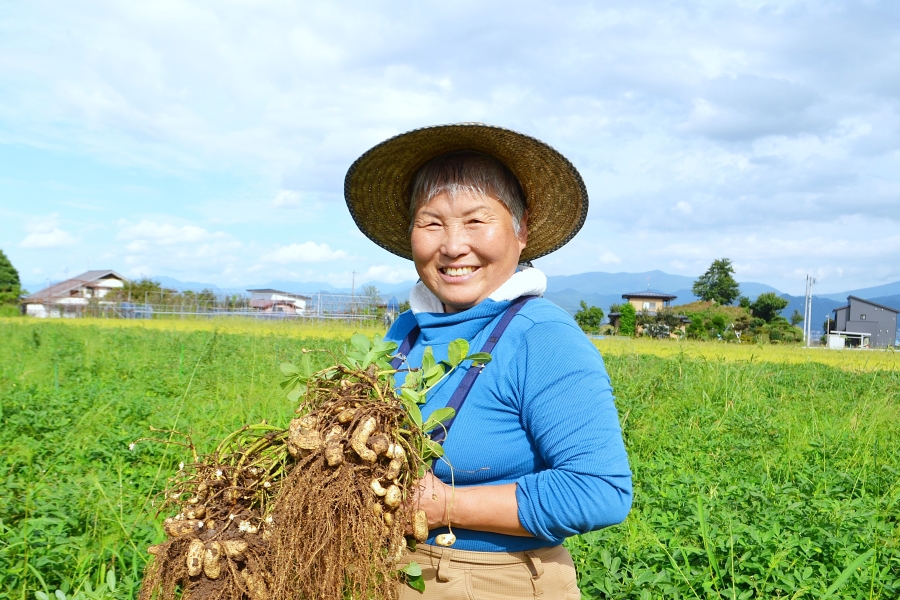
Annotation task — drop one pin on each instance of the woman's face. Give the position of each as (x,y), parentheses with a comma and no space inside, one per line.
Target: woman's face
(465,247)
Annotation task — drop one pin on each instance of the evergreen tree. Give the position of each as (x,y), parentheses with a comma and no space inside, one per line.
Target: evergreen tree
(717,284)
(589,318)
(10,284)
(767,306)
(627,319)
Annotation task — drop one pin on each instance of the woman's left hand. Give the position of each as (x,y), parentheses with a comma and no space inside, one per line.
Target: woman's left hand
(482,507)
(434,497)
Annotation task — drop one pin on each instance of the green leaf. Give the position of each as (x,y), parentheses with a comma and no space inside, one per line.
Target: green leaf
(438,417)
(417,583)
(111,580)
(368,358)
(411,407)
(436,370)
(846,573)
(360,342)
(479,357)
(289,369)
(457,351)
(306,366)
(41,596)
(413,569)
(297,393)
(432,449)
(413,379)
(412,395)
(428,360)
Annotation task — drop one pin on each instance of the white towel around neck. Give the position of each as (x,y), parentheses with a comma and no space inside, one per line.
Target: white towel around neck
(527,282)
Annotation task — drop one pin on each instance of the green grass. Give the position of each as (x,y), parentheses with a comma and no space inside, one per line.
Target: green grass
(753,478)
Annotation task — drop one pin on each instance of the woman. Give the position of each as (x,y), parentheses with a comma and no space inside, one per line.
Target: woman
(535,453)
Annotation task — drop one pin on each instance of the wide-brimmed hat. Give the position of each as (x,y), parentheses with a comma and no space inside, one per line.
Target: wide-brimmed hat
(378,185)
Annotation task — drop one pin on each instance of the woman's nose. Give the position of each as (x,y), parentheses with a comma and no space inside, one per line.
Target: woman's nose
(456,241)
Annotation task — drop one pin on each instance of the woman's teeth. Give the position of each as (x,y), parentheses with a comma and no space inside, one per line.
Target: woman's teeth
(458,271)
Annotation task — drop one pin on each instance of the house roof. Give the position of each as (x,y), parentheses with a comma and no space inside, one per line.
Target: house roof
(64,287)
(869,302)
(649,294)
(271,291)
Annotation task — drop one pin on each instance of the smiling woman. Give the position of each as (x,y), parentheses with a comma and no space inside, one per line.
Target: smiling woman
(470,204)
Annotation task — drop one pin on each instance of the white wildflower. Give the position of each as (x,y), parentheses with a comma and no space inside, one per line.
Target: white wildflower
(180,466)
(131,446)
(266,484)
(218,472)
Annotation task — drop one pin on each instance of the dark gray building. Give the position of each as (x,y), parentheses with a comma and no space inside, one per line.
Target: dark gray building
(860,316)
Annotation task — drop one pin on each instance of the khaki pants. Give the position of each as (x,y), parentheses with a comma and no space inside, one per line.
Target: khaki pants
(547,573)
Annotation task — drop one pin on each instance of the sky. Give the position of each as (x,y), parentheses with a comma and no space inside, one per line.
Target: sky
(208,140)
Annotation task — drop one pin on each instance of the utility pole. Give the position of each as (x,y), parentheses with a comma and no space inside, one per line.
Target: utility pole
(353,293)
(807,311)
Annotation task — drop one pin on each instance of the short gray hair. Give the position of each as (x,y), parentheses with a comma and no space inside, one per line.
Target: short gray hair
(472,172)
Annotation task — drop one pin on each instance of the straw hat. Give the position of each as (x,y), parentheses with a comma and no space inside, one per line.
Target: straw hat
(377,186)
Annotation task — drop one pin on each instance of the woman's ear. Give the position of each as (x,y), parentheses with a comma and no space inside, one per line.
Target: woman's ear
(523,231)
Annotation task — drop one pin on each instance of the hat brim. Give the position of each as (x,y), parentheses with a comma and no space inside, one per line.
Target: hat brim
(377,186)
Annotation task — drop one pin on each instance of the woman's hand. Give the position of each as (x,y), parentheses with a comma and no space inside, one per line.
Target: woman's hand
(490,508)
(433,496)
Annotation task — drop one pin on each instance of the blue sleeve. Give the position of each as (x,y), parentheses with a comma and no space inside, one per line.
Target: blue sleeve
(567,407)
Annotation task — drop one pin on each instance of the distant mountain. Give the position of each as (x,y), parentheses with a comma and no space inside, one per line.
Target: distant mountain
(603,289)
(175,284)
(879,291)
(398,290)
(618,283)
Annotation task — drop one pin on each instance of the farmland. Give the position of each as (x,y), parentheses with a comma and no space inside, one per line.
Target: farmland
(760,472)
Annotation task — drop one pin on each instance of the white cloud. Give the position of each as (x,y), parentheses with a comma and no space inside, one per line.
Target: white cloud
(608,258)
(307,252)
(44,232)
(390,273)
(683,207)
(148,232)
(705,122)
(287,199)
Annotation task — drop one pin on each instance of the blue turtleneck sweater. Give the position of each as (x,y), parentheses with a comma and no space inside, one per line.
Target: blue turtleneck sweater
(541,415)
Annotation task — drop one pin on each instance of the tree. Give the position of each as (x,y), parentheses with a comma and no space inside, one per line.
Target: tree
(372,298)
(627,319)
(796,318)
(717,284)
(589,318)
(767,306)
(10,284)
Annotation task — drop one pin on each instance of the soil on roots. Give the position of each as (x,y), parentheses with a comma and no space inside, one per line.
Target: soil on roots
(329,541)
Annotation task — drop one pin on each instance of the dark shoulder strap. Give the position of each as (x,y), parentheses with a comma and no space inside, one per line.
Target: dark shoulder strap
(459,396)
(405,346)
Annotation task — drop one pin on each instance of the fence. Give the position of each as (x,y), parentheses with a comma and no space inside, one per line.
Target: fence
(169,304)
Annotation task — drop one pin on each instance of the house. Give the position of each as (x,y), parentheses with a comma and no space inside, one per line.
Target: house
(69,298)
(648,302)
(863,323)
(276,301)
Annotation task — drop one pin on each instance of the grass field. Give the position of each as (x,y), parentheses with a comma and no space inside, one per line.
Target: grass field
(760,472)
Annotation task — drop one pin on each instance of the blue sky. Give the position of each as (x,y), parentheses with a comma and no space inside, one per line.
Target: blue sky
(208,141)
